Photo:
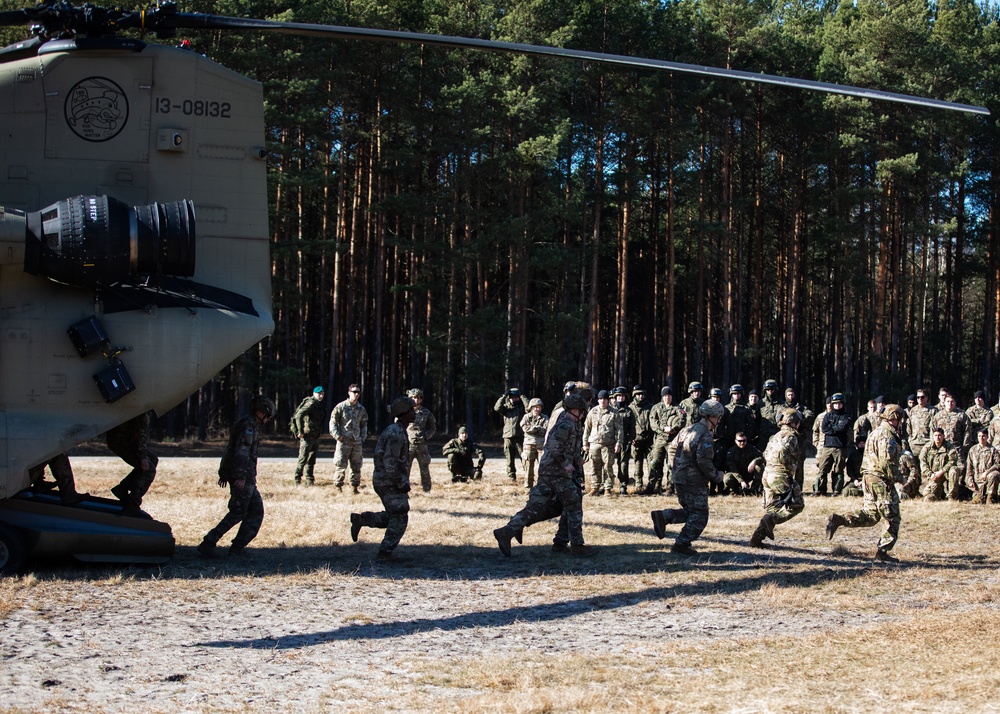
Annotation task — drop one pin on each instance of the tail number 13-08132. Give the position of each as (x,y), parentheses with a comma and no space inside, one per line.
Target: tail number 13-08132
(194,107)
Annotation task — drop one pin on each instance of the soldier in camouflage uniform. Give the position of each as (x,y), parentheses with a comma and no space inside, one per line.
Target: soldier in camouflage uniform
(62,472)
(782,492)
(982,471)
(939,466)
(909,466)
(534,425)
(791,402)
(238,469)
(879,475)
(307,427)
(666,420)
(867,422)
(918,423)
(349,426)
(391,480)
(994,430)
(955,424)
(693,469)
(130,441)
(559,488)
(420,431)
(602,439)
(619,400)
(643,442)
(979,415)
(835,427)
(512,406)
(465,458)
(690,405)
(744,467)
(770,407)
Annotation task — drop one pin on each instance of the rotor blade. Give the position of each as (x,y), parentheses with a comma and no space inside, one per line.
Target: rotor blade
(218,22)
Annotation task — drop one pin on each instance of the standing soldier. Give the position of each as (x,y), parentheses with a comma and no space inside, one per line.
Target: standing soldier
(835,428)
(620,403)
(130,441)
(391,480)
(879,475)
(918,425)
(939,466)
(307,427)
(770,410)
(643,441)
(865,424)
(560,477)
(349,426)
(533,424)
(421,429)
(982,472)
(693,469)
(461,452)
(782,492)
(979,415)
(739,417)
(753,404)
(512,407)
(955,424)
(238,469)
(690,405)
(602,439)
(791,402)
(666,420)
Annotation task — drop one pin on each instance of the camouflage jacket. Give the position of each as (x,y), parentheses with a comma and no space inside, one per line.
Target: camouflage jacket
(423,427)
(817,433)
(666,421)
(694,454)
(918,426)
(979,419)
(239,461)
(464,452)
(534,428)
(392,455)
(307,421)
(642,414)
(956,427)
(349,423)
(981,461)
(994,432)
(865,425)
(132,437)
(603,427)
(512,409)
(561,456)
(882,452)
(937,458)
(781,456)
(689,407)
(770,412)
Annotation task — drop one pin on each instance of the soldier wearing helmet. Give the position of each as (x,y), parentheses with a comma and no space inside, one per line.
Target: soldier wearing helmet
(238,469)
(740,418)
(835,431)
(643,441)
(690,405)
(512,406)
(559,487)
(879,474)
(420,430)
(782,493)
(723,438)
(693,469)
(391,480)
(602,439)
(534,425)
(619,401)
(769,409)
(666,419)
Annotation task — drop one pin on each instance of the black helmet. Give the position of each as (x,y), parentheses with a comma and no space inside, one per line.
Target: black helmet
(637,389)
(619,390)
(715,392)
(838,397)
(575,401)
(736,389)
(260,403)
(770,384)
(695,386)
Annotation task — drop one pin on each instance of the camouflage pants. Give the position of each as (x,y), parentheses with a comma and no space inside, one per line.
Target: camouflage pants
(462,467)
(245,508)
(640,452)
(308,448)
(138,480)
(546,498)
(776,505)
(830,464)
(984,486)
(881,503)
(394,518)
(945,487)
(622,459)
(420,454)
(511,454)
(659,469)
(347,454)
(602,462)
(62,472)
(530,454)
(693,512)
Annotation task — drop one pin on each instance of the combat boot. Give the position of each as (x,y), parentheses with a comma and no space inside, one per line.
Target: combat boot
(757,539)
(582,549)
(835,521)
(207,550)
(356,526)
(883,556)
(659,524)
(518,535)
(504,536)
(683,549)
(560,548)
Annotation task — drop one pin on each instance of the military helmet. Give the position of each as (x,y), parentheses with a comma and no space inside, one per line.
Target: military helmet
(569,387)
(575,401)
(892,411)
(695,386)
(413,394)
(838,397)
(637,389)
(790,416)
(715,392)
(536,402)
(260,403)
(711,408)
(736,389)
(402,405)
(619,390)
(514,392)
(770,384)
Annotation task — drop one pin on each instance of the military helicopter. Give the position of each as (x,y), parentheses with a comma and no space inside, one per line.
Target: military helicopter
(133,221)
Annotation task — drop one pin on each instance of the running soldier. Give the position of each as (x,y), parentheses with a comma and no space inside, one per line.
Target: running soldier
(533,425)
(879,475)
(238,470)
(391,481)
(349,426)
(307,427)
(782,491)
(421,429)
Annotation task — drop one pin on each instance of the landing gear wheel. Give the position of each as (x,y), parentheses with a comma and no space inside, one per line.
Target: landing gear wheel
(11,551)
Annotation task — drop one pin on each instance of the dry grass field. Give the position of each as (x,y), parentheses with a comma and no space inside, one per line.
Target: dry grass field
(308,621)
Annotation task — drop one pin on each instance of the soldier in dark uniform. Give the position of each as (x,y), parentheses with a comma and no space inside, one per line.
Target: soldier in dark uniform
(130,441)
(307,426)
(619,400)
(238,469)
(62,472)
(465,458)
(391,481)
(643,441)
